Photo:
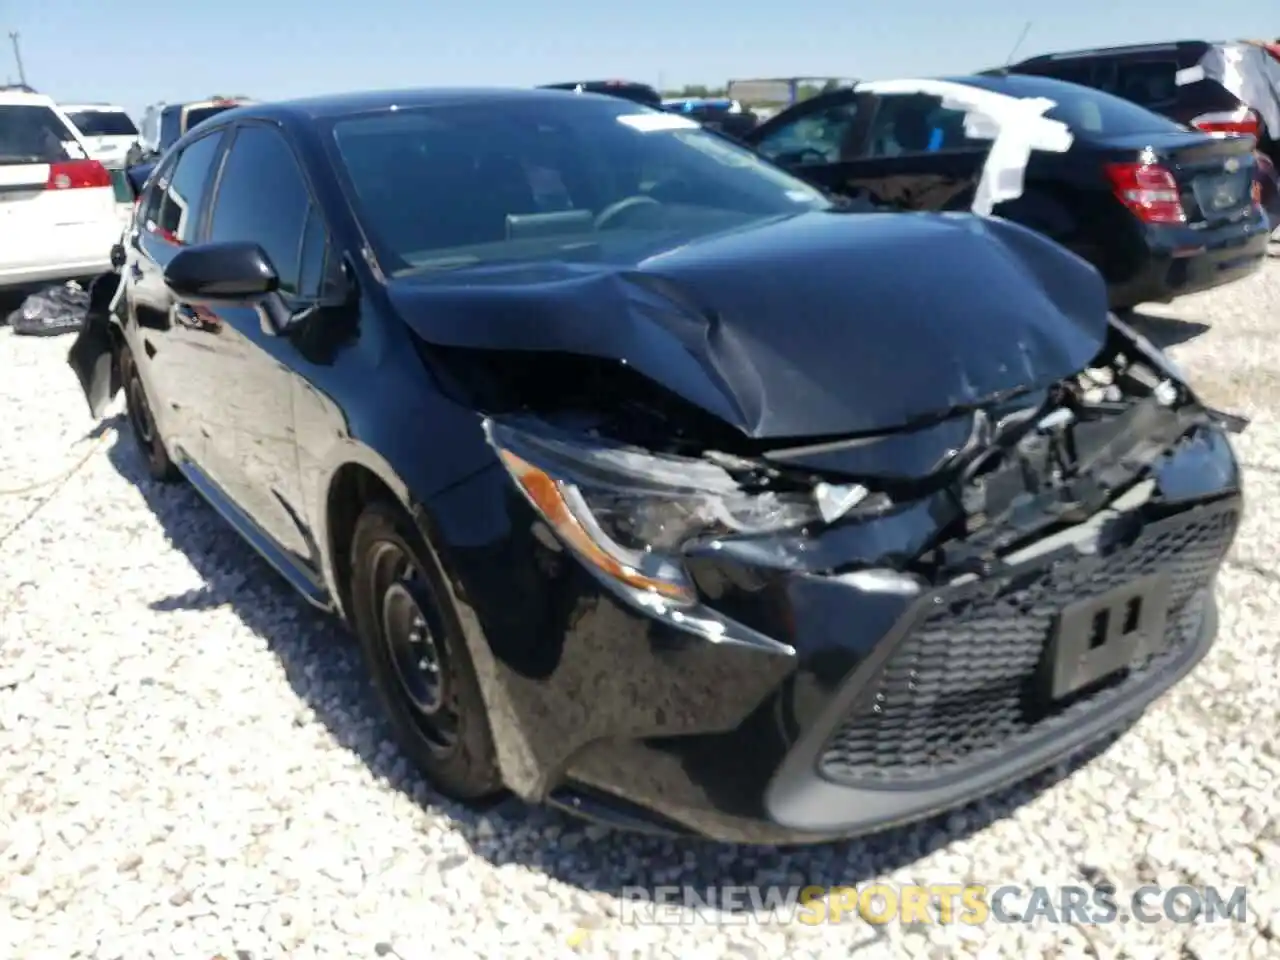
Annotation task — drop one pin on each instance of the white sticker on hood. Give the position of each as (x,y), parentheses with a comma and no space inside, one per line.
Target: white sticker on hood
(653,122)
(1189,75)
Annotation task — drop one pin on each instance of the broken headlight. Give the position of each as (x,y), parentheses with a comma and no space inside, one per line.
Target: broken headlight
(627,513)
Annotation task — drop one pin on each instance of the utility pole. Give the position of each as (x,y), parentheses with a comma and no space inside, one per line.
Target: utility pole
(17,56)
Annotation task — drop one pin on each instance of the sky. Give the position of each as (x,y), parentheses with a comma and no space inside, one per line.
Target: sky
(137,52)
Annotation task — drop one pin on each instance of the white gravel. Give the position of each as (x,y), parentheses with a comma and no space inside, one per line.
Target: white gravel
(190,764)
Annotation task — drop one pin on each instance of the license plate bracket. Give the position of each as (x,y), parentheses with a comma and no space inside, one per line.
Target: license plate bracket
(1222,192)
(1095,638)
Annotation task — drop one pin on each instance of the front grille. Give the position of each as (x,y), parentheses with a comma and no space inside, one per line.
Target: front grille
(964,684)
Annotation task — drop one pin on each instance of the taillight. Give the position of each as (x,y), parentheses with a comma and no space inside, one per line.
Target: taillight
(1149,190)
(74,174)
(1242,123)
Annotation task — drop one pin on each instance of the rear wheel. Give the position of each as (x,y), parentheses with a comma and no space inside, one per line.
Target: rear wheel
(417,656)
(141,421)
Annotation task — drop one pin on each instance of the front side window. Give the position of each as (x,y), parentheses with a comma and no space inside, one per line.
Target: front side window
(819,136)
(183,192)
(263,197)
(908,125)
(516,180)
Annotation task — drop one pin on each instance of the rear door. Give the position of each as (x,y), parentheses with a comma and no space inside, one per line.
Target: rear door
(54,207)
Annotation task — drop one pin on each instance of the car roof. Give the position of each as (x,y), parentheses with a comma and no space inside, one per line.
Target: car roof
(93,107)
(335,106)
(1171,46)
(1019,85)
(22,98)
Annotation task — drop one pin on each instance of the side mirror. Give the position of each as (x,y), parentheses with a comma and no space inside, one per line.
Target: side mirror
(117,256)
(235,272)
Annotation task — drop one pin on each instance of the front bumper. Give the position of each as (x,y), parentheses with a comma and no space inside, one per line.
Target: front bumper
(798,704)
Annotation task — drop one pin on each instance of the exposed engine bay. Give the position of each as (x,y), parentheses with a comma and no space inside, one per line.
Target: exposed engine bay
(996,475)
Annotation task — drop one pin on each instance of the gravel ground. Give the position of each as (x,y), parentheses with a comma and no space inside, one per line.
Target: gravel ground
(190,763)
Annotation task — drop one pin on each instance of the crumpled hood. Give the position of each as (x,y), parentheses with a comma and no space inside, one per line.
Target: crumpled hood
(821,324)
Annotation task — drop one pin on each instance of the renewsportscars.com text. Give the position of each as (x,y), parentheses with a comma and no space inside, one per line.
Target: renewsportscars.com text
(971,904)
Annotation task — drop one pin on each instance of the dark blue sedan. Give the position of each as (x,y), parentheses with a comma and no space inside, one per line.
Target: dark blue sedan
(653,483)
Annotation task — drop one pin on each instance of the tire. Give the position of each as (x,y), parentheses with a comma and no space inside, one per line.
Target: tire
(417,656)
(146,434)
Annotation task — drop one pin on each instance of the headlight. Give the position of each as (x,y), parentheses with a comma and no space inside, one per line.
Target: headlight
(628,513)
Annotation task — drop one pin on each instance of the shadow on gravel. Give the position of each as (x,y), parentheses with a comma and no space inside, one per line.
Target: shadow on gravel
(1165,332)
(323,666)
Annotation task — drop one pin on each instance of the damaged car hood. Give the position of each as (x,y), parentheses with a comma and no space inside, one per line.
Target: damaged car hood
(821,324)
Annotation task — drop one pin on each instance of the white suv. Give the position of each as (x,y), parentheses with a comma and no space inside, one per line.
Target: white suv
(58,213)
(107,131)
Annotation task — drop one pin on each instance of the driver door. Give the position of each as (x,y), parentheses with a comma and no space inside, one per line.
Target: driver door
(901,151)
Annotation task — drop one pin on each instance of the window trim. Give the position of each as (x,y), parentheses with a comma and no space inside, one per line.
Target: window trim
(294,301)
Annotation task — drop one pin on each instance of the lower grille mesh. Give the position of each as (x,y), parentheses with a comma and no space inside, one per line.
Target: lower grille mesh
(962,686)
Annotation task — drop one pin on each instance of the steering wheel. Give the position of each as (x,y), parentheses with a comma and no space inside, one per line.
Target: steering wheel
(615,210)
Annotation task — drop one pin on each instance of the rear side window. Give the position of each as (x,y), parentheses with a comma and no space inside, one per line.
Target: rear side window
(32,133)
(1095,113)
(180,209)
(908,125)
(263,197)
(1148,83)
(104,123)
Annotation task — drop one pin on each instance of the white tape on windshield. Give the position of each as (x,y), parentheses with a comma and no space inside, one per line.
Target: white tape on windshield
(1015,127)
(652,122)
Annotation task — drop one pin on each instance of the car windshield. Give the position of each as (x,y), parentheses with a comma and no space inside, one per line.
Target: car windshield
(34,134)
(1090,111)
(575,178)
(104,123)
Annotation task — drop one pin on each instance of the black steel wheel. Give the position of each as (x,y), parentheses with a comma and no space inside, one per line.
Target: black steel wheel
(418,657)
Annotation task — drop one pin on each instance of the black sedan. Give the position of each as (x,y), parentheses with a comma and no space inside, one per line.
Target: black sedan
(1160,210)
(654,484)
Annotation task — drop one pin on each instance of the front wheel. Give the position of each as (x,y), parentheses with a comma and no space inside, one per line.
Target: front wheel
(142,422)
(417,656)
